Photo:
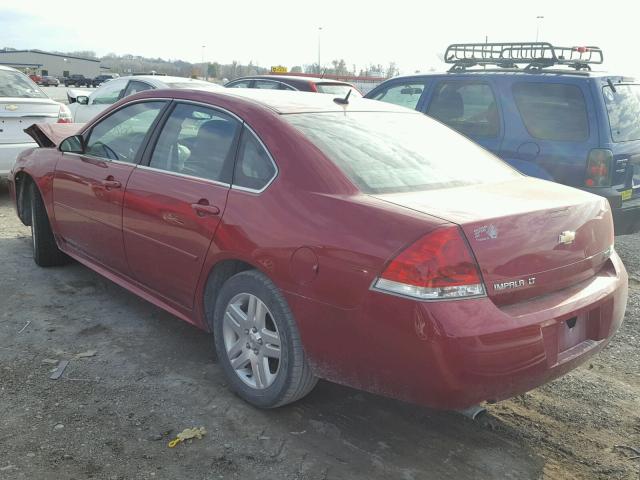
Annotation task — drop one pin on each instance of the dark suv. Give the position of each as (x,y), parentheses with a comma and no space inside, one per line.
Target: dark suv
(554,119)
(100,79)
(77,80)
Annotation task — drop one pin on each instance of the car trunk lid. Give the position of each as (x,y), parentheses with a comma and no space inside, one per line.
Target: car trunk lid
(16,114)
(530,237)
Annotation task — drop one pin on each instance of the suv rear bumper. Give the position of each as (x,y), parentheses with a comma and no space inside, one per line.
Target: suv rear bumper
(626,215)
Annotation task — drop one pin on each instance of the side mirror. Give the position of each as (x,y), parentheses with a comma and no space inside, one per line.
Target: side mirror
(82,99)
(73,144)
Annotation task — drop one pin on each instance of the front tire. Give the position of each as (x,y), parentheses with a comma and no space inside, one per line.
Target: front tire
(45,250)
(258,343)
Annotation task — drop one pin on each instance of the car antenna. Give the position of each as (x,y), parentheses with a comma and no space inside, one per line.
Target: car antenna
(343,101)
(323,72)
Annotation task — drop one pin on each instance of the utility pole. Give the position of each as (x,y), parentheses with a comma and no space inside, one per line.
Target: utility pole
(538,19)
(204,70)
(319,33)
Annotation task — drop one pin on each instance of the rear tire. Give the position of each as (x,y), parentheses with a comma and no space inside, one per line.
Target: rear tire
(45,250)
(275,343)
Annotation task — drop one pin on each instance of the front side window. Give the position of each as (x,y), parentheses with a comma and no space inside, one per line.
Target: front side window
(552,111)
(403,94)
(197,141)
(17,85)
(623,107)
(109,93)
(384,152)
(254,168)
(120,135)
(135,87)
(469,108)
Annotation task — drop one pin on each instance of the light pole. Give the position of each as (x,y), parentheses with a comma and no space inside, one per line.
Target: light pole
(319,32)
(204,71)
(538,18)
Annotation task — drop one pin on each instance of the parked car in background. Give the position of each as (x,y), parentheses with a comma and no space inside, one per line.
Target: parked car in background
(100,79)
(77,80)
(291,82)
(570,125)
(37,79)
(49,81)
(22,103)
(355,241)
(84,107)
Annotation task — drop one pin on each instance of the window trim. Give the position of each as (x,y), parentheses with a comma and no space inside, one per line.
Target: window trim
(86,134)
(434,91)
(150,147)
(240,188)
(564,84)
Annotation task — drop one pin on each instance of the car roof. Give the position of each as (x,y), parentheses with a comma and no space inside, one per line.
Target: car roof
(164,80)
(11,69)
(291,78)
(280,101)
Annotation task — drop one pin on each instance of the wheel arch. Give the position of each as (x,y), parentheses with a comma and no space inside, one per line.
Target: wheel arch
(218,274)
(23,182)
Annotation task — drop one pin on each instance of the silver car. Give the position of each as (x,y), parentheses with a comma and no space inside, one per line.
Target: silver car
(22,104)
(84,107)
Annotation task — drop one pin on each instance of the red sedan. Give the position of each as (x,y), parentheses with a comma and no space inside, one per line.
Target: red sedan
(349,240)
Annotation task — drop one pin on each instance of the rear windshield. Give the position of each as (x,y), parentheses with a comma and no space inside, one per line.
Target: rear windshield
(552,111)
(623,107)
(399,152)
(336,89)
(14,84)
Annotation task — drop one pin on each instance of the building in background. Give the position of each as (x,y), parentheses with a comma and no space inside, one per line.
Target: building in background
(55,64)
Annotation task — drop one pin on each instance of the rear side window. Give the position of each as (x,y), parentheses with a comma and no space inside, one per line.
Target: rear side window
(254,168)
(266,85)
(403,94)
(135,87)
(469,108)
(552,111)
(623,107)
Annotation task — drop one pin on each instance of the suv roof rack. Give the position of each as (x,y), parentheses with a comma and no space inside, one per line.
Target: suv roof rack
(535,55)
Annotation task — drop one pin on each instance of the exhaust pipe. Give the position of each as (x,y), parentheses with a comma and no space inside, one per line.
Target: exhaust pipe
(473,412)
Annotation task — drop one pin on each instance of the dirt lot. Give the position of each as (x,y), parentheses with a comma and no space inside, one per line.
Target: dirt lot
(110,415)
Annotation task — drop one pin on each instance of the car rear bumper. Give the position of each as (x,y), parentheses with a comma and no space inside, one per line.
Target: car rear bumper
(8,154)
(455,354)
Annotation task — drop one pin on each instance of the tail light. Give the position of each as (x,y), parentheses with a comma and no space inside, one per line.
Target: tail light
(438,266)
(313,87)
(64,115)
(599,164)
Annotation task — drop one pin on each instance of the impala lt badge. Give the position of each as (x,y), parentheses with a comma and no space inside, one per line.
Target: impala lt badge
(514,284)
(567,237)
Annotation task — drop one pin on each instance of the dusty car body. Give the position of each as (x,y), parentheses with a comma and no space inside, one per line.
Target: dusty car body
(446,294)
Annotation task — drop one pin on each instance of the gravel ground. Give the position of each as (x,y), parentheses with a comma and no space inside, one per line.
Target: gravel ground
(146,376)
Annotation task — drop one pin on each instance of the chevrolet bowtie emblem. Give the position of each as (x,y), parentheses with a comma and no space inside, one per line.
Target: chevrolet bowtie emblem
(567,237)
(11,108)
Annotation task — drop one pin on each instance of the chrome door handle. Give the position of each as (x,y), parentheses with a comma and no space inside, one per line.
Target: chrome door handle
(203,209)
(111,184)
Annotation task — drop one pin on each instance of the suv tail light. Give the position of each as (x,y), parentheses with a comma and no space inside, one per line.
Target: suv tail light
(599,164)
(438,266)
(64,115)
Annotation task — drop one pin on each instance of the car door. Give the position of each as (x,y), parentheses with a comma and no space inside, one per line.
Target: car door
(108,94)
(471,108)
(174,201)
(88,188)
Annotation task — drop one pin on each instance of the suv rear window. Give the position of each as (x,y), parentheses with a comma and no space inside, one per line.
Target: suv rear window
(623,107)
(552,111)
(399,152)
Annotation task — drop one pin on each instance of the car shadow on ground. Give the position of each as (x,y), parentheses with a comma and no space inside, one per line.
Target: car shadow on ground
(152,374)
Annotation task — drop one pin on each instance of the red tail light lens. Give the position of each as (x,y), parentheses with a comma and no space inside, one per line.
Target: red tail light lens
(438,266)
(64,115)
(599,165)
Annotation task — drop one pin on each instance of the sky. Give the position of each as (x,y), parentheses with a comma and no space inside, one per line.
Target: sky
(413,34)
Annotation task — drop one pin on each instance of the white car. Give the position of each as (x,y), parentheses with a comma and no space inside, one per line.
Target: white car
(84,107)
(22,104)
